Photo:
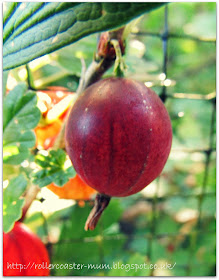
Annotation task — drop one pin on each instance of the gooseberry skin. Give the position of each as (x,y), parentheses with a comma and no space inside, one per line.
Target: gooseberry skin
(22,247)
(118,136)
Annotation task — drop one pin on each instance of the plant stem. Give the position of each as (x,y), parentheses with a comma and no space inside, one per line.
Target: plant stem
(93,74)
(120,66)
(29,197)
(101,202)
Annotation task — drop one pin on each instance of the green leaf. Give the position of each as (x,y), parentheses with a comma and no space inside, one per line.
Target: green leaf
(5,77)
(136,265)
(20,115)
(36,28)
(70,56)
(85,246)
(12,203)
(110,216)
(14,155)
(139,245)
(53,169)
(9,8)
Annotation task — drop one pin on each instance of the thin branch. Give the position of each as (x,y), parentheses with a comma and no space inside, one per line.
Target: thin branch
(97,68)
(177,36)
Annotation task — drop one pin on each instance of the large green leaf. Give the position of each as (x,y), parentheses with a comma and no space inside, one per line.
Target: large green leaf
(12,203)
(20,115)
(36,28)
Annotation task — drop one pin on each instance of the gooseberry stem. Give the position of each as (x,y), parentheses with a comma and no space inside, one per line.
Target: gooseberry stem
(120,65)
(101,202)
(89,76)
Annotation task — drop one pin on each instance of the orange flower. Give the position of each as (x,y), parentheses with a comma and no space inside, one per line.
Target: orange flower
(45,135)
(75,188)
(54,104)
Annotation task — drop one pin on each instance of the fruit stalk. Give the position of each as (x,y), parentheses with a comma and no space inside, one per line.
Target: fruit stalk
(101,63)
(119,66)
(101,202)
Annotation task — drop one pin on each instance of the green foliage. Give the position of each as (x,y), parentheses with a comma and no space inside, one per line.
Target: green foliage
(12,203)
(139,245)
(160,224)
(91,242)
(136,265)
(20,115)
(52,169)
(84,48)
(34,29)
(5,77)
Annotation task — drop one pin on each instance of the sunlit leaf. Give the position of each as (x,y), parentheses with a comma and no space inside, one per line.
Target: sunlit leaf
(37,28)
(12,203)
(52,169)
(20,116)
(5,77)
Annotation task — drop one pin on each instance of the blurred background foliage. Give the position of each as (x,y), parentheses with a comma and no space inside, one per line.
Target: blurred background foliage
(173,219)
